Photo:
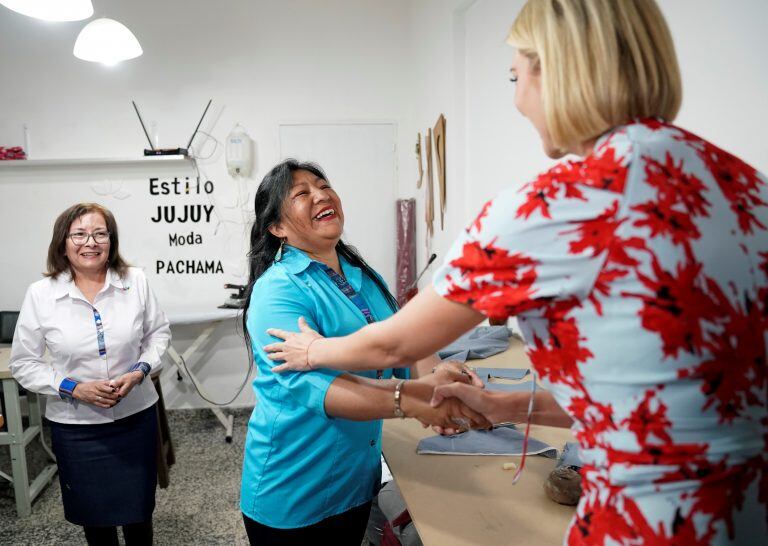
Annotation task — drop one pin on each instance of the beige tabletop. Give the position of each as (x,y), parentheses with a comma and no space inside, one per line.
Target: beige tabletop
(463,500)
(5,356)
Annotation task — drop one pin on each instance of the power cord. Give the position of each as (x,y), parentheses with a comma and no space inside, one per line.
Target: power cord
(199,389)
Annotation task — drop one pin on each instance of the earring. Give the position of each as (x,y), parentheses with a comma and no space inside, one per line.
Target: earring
(279,254)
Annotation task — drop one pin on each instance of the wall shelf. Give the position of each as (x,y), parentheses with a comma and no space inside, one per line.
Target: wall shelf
(91,162)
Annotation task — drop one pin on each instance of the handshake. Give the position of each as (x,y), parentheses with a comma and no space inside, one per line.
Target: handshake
(438,399)
(451,399)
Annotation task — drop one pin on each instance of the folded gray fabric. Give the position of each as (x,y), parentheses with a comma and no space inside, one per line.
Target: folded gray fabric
(514,374)
(503,440)
(481,342)
(511,387)
(570,456)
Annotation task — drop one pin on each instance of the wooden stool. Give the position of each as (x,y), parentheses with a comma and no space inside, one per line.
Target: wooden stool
(165,455)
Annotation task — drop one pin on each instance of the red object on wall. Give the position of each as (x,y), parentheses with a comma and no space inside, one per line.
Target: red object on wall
(15,152)
(406,250)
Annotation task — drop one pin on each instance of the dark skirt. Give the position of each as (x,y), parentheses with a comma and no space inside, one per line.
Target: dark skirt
(108,471)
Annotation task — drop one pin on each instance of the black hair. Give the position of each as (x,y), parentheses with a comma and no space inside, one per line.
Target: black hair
(268,206)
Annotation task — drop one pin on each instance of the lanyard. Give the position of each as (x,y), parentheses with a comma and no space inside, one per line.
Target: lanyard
(519,471)
(354,297)
(100,333)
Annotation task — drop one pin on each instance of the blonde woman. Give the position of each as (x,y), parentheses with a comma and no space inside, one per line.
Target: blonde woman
(638,273)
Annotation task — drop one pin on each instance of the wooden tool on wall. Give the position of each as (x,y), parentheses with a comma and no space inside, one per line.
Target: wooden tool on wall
(439,141)
(421,163)
(429,202)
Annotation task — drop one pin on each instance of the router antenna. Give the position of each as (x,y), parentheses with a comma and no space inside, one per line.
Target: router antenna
(199,123)
(142,124)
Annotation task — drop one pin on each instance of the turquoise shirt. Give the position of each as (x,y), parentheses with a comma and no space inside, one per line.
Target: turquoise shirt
(302,465)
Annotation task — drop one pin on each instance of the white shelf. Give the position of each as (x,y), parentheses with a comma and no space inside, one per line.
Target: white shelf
(96,161)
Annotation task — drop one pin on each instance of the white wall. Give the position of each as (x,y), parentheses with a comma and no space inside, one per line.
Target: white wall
(438,84)
(401,60)
(266,62)
(722,46)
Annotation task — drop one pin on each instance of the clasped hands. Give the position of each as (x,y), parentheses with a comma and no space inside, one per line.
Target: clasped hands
(105,393)
(432,399)
(422,399)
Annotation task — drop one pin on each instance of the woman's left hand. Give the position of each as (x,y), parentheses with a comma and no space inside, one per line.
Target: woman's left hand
(294,350)
(126,382)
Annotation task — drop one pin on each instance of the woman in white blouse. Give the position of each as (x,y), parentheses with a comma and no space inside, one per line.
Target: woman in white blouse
(104,332)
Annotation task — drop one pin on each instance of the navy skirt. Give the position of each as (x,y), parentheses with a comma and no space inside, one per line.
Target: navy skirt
(108,471)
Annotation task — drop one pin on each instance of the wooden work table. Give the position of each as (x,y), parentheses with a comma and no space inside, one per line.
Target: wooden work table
(470,500)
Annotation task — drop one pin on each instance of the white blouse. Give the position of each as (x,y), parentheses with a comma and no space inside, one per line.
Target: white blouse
(56,317)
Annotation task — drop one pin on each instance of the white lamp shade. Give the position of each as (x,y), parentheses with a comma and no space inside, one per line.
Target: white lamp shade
(106,41)
(52,10)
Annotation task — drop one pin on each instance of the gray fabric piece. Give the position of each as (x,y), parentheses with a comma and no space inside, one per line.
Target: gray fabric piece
(570,456)
(504,440)
(514,374)
(481,342)
(510,387)
(461,356)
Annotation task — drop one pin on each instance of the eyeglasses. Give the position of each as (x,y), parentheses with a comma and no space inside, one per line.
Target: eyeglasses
(79,238)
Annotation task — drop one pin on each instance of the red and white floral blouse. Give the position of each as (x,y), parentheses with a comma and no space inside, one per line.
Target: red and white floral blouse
(639,276)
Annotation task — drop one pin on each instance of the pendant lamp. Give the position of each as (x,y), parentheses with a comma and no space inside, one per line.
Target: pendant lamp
(106,41)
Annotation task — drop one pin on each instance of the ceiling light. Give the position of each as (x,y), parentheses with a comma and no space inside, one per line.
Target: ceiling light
(106,41)
(52,10)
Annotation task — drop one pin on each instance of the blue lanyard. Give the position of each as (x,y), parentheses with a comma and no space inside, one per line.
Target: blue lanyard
(99,333)
(354,297)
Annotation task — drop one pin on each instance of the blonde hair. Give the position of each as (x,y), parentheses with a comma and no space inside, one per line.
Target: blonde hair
(602,64)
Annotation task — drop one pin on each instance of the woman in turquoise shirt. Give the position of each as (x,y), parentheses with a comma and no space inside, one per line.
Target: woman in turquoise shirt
(312,453)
